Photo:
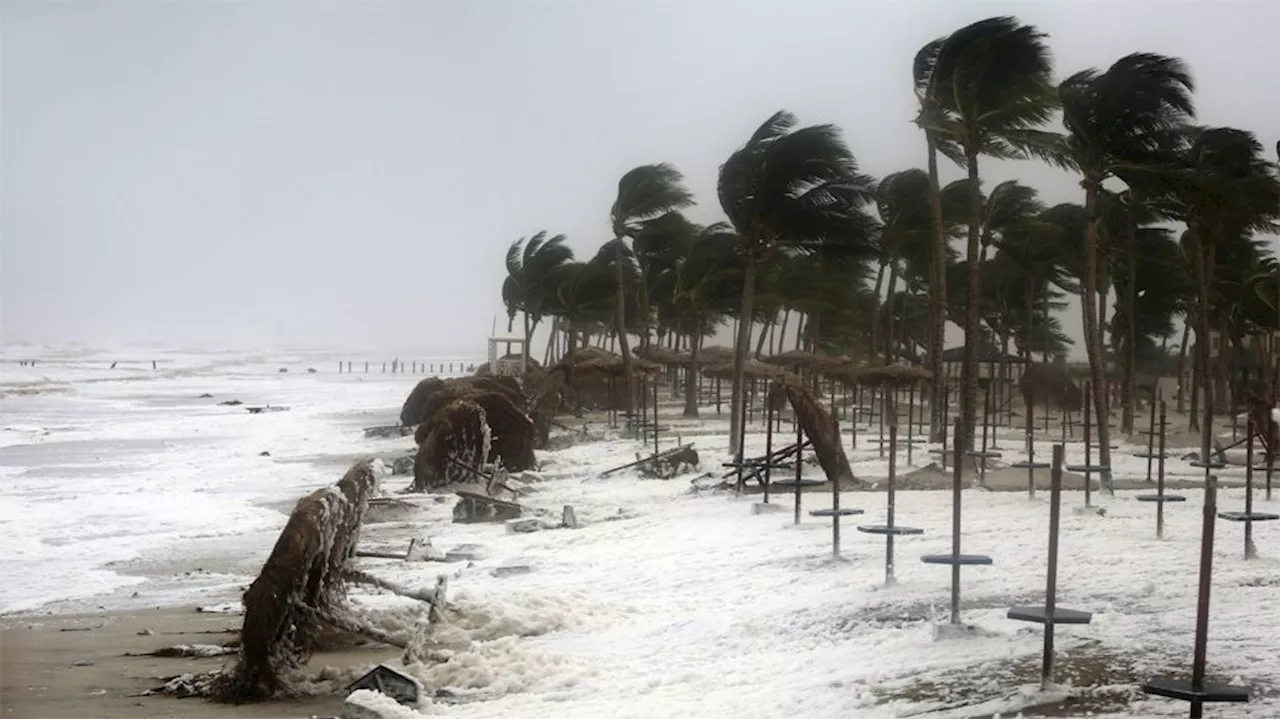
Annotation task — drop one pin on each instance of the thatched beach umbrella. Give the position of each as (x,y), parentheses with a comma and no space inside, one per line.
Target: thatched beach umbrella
(661,355)
(891,376)
(754,370)
(796,358)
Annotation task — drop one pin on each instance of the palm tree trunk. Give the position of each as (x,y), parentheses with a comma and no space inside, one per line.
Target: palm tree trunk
(802,322)
(1093,333)
(691,374)
(620,322)
(1130,389)
(782,332)
(644,309)
(888,342)
(1202,335)
(528,337)
(764,335)
(1031,314)
(740,348)
(875,311)
(937,298)
(968,368)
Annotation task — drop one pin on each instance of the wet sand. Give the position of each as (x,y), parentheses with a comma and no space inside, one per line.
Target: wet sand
(39,678)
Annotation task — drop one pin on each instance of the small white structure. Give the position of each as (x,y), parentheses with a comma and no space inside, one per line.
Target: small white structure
(499,349)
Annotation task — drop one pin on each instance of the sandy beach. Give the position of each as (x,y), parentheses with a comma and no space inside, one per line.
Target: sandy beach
(82,666)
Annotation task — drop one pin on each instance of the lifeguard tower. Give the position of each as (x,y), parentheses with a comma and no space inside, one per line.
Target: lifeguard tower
(506,356)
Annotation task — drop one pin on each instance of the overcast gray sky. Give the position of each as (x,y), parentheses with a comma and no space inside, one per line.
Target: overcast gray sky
(350,174)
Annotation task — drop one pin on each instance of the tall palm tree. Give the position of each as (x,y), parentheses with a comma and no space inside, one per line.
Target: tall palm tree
(992,85)
(1116,121)
(789,187)
(644,193)
(933,118)
(530,263)
(1223,189)
(702,286)
(904,206)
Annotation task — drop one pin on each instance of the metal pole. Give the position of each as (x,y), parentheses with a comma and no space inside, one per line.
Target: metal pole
(1051,584)
(1151,434)
(1031,448)
(799,457)
(768,449)
(1160,475)
(888,538)
(911,407)
(1206,583)
(1248,493)
(655,420)
(955,523)
(835,506)
(1088,449)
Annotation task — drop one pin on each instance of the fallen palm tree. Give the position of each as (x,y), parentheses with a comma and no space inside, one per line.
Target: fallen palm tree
(299,594)
(511,430)
(459,435)
(415,405)
(820,428)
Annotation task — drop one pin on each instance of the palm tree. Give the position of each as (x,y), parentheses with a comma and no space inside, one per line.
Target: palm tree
(1224,190)
(930,94)
(701,286)
(580,293)
(530,263)
(990,86)
(1117,121)
(903,203)
(644,193)
(790,187)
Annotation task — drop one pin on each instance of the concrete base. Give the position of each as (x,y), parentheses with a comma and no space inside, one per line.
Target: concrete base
(515,565)
(762,508)
(1087,511)
(570,517)
(523,526)
(465,553)
(946,632)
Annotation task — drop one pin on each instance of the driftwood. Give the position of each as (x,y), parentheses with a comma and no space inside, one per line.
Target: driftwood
(821,430)
(299,590)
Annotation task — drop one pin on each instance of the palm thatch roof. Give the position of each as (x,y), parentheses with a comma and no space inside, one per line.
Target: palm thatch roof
(715,354)
(661,355)
(753,370)
(795,358)
(894,375)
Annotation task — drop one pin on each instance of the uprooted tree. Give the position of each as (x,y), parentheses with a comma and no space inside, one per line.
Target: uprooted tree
(512,431)
(300,597)
(455,446)
(819,427)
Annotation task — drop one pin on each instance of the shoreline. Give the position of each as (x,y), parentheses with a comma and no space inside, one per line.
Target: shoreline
(44,672)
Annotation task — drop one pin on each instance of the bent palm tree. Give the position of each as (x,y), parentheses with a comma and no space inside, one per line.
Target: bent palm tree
(1120,120)
(990,88)
(530,263)
(644,193)
(794,187)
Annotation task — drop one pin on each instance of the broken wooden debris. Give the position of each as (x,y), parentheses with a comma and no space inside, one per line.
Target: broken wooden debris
(473,507)
(641,462)
(513,565)
(465,553)
(387,432)
(390,681)
(266,408)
